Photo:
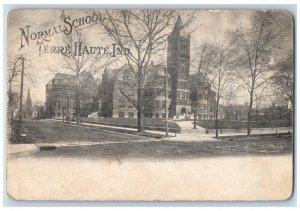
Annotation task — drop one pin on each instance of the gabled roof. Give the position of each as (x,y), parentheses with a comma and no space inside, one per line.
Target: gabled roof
(68,78)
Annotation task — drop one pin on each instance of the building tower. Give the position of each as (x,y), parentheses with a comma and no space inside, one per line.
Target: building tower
(178,66)
(28,106)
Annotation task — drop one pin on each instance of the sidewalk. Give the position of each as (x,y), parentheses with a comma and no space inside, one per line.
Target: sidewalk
(117,129)
(188,133)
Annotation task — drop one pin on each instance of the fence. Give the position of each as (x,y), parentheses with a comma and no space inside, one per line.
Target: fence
(225,124)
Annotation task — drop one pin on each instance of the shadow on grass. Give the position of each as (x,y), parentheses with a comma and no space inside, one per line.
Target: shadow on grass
(268,145)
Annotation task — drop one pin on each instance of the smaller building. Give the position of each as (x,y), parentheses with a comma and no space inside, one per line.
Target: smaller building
(203,98)
(38,111)
(61,95)
(236,112)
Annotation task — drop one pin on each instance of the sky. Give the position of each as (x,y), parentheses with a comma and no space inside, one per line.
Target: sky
(209,26)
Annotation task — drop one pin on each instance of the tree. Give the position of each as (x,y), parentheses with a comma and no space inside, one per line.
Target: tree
(200,84)
(283,78)
(14,74)
(77,63)
(145,33)
(256,44)
(222,72)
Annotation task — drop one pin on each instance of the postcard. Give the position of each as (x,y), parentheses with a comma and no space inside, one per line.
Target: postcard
(150,104)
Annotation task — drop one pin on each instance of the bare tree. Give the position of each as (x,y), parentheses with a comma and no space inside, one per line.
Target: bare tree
(223,73)
(283,78)
(256,44)
(13,73)
(13,79)
(230,96)
(145,33)
(200,84)
(77,63)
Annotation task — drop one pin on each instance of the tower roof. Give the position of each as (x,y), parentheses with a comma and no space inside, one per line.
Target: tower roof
(180,28)
(28,94)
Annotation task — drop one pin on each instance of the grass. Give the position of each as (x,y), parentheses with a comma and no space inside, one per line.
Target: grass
(150,123)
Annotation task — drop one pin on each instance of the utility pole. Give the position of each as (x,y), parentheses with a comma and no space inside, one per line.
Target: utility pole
(166,102)
(62,107)
(68,115)
(21,93)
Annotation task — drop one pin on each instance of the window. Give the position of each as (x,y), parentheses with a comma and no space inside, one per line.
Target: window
(183,95)
(130,105)
(187,95)
(183,46)
(156,115)
(163,104)
(121,114)
(163,115)
(148,115)
(121,103)
(169,94)
(156,104)
(58,114)
(58,104)
(130,114)
(178,94)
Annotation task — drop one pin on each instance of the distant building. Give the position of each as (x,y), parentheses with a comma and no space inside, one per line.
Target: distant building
(61,95)
(28,106)
(38,112)
(236,112)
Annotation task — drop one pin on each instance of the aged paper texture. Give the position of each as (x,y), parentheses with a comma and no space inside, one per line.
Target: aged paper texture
(144,105)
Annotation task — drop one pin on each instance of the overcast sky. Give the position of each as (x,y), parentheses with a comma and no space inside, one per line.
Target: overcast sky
(210,26)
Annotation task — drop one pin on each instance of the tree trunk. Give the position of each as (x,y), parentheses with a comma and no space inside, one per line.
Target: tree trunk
(10,105)
(140,108)
(195,116)
(140,115)
(217,116)
(249,114)
(77,103)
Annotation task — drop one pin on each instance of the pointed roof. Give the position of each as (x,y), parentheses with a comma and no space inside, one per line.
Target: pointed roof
(180,28)
(28,95)
(62,16)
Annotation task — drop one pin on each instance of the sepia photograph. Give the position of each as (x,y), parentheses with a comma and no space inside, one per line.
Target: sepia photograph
(150,104)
